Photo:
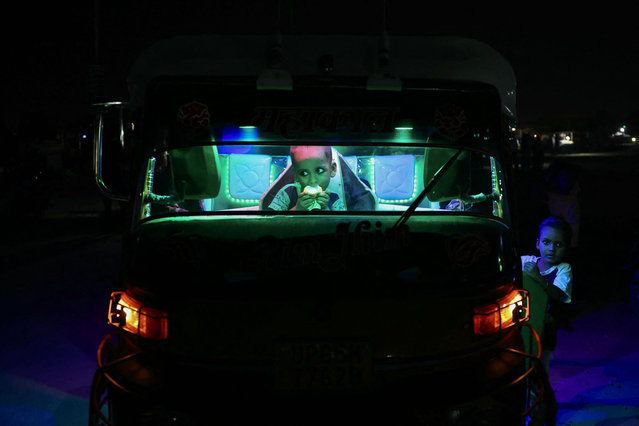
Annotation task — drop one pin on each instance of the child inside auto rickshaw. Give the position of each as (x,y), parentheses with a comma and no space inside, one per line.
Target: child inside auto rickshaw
(313,168)
(554,275)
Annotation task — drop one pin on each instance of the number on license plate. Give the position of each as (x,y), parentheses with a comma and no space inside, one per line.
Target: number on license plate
(323,365)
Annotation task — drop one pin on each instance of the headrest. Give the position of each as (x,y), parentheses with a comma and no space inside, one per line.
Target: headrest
(249,176)
(394,178)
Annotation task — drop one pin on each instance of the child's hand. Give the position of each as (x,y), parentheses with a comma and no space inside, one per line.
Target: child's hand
(304,201)
(322,198)
(531,269)
(312,198)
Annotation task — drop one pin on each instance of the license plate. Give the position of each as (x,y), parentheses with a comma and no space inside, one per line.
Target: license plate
(327,365)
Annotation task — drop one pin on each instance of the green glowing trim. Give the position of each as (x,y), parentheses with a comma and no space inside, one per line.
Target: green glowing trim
(382,200)
(242,200)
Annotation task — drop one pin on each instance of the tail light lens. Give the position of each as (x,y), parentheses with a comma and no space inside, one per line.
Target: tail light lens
(504,313)
(131,315)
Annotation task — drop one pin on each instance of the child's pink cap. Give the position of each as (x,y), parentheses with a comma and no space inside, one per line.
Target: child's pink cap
(304,152)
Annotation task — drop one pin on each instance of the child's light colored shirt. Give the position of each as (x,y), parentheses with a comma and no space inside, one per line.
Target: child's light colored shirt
(563,276)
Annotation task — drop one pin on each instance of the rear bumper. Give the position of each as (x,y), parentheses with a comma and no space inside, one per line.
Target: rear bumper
(141,387)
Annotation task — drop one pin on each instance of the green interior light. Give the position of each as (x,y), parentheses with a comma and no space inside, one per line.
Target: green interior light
(402,134)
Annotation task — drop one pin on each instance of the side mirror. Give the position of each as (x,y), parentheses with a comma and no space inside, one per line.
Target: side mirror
(111,151)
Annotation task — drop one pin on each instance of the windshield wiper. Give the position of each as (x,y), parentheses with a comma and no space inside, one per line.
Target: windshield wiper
(431,184)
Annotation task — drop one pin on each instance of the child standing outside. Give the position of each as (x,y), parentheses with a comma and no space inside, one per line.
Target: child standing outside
(313,168)
(553,274)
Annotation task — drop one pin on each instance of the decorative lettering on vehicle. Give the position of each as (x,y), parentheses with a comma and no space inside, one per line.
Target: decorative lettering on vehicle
(330,254)
(368,239)
(292,122)
(465,251)
(450,120)
(193,115)
(181,250)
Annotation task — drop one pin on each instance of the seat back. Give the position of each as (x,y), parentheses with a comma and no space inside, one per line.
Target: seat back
(394,178)
(245,177)
(249,175)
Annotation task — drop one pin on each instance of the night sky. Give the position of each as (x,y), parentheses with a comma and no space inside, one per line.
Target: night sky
(570,64)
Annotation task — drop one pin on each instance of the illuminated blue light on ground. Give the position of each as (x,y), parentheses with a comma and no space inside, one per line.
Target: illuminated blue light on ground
(31,402)
(595,370)
(18,416)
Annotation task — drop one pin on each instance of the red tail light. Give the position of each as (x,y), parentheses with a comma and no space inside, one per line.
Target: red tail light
(504,313)
(132,316)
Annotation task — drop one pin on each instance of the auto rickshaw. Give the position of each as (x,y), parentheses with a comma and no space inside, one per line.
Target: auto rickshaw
(407,305)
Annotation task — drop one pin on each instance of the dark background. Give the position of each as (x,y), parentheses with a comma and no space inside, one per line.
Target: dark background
(574,65)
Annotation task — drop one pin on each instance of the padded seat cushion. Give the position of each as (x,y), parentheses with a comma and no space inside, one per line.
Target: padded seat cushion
(249,176)
(394,177)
